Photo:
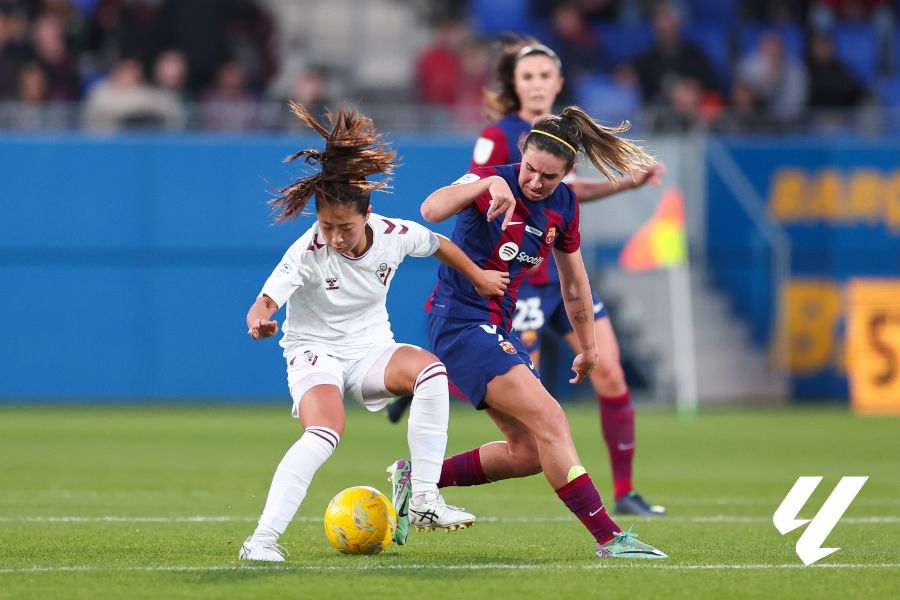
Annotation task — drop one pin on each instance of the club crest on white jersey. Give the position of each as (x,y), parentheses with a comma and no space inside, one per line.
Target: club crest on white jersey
(383,273)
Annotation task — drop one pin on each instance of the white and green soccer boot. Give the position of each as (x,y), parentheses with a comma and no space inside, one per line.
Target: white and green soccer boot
(398,475)
(625,545)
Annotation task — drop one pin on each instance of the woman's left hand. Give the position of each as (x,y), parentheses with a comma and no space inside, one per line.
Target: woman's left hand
(651,174)
(491,283)
(583,365)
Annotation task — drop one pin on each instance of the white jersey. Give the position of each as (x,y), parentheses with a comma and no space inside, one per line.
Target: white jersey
(337,302)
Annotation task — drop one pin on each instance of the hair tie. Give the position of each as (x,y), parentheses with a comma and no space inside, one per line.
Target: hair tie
(558,139)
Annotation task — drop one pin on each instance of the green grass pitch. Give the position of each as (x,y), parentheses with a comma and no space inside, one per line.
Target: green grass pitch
(153,502)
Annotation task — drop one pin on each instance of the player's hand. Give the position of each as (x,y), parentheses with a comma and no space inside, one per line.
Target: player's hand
(583,365)
(492,283)
(651,174)
(502,202)
(263,329)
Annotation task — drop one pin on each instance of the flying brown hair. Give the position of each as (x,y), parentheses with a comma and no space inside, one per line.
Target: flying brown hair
(353,151)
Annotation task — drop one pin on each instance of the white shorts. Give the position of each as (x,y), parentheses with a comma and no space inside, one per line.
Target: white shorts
(360,379)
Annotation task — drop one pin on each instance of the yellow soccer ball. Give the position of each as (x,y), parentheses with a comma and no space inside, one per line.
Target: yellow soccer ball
(360,520)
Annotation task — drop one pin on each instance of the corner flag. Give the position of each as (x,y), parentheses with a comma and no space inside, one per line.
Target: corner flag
(661,242)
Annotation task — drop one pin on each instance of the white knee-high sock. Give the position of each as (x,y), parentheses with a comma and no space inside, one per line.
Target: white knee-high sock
(292,479)
(427,433)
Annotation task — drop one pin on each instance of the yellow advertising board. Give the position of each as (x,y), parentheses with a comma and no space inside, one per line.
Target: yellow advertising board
(873,345)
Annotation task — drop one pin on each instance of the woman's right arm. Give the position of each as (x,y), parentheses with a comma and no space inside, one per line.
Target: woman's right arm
(449,200)
(259,318)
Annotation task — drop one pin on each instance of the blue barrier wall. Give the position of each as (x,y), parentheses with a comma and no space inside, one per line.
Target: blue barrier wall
(128,263)
(838,200)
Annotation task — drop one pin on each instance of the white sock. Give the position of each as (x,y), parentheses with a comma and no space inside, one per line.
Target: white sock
(427,427)
(292,479)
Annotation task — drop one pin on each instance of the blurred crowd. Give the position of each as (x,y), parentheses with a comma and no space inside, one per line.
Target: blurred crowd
(142,64)
(726,65)
(733,66)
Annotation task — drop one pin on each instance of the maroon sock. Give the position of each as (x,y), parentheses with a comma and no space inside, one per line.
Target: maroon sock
(617,421)
(463,469)
(583,499)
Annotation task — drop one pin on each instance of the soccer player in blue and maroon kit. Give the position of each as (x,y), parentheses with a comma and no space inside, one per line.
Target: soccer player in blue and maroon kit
(530,77)
(510,218)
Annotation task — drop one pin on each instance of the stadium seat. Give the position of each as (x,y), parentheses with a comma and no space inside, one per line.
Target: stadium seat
(721,13)
(888,91)
(713,40)
(600,95)
(623,43)
(491,17)
(857,47)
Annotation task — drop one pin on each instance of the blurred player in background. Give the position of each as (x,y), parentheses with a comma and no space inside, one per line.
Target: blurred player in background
(529,75)
(510,217)
(337,338)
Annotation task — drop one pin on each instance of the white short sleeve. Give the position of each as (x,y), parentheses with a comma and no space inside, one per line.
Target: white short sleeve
(419,240)
(289,275)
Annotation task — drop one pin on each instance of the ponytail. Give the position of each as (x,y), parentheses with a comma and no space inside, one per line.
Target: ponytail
(574,130)
(353,151)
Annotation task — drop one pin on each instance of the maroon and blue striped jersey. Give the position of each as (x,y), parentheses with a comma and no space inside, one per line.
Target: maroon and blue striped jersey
(534,229)
(499,145)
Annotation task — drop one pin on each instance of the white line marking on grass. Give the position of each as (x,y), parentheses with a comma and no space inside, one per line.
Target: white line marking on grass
(763,501)
(433,567)
(533,519)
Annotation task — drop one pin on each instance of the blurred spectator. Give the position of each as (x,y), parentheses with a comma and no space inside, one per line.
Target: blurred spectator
(474,70)
(594,11)
(228,105)
(31,95)
(831,84)
(776,12)
(576,45)
(744,114)
(308,87)
(124,100)
(211,32)
(439,66)
(170,77)
(825,12)
(198,29)
(122,28)
(251,32)
(779,81)
(600,10)
(10,61)
(670,59)
(49,49)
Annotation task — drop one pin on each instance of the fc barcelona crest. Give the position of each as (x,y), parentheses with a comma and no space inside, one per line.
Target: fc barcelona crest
(508,347)
(551,235)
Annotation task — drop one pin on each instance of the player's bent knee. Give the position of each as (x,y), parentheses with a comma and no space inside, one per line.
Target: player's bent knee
(525,459)
(434,372)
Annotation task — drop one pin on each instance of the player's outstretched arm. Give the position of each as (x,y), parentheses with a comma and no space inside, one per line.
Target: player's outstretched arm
(259,318)
(588,190)
(576,293)
(449,200)
(487,283)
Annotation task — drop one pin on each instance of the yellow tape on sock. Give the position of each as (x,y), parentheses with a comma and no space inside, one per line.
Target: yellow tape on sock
(574,472)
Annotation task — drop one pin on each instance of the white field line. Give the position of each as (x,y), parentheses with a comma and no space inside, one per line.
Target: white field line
(725,500)
(596,565)
(533,519)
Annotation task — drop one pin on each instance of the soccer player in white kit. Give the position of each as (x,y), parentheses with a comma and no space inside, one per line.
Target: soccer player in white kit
(337,338)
